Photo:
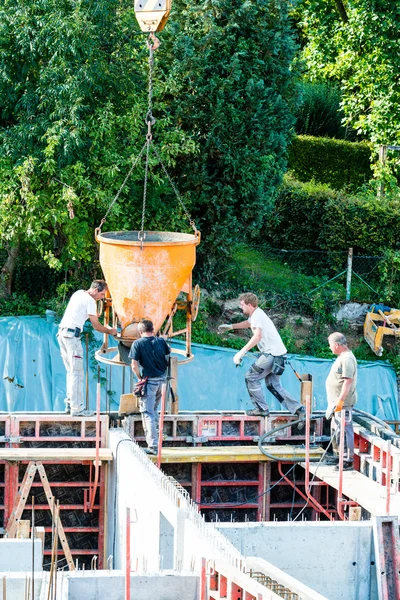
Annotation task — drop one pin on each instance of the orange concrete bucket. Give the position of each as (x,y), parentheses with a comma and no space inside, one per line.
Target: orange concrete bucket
(145,278)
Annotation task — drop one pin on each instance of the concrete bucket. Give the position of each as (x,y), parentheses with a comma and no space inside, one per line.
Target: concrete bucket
(145,278)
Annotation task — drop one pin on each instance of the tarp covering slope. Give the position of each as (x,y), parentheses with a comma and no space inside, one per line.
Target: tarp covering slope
(33,376)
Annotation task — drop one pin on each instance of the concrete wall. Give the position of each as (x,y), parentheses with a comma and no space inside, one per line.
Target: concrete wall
(335,559)
(16,554)
(166,529)
(100,585)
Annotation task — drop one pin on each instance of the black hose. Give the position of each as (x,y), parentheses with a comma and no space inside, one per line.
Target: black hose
(268,434)
(376,419)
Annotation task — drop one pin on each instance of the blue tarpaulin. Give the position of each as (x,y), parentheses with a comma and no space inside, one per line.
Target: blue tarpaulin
(33,376)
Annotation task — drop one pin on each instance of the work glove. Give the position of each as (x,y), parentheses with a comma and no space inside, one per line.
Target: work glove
(329,412)
(237,359)
(140,387)
(224,328)
(339,406)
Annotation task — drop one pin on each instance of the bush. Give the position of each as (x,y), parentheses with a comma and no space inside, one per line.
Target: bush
(319,112)
(313,216)
(337,163)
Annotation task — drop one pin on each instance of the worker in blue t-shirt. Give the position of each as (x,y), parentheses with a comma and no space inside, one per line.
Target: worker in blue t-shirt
(149,356)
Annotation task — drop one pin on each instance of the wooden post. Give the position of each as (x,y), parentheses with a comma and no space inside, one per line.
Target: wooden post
(174,385)
(382,160)
(128,555)
(161,425)
(349,273)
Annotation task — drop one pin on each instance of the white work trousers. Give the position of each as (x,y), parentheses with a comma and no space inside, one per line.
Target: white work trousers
(72,356)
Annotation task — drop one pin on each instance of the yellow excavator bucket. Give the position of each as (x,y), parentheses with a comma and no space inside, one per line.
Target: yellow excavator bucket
(381,330)
(145,278)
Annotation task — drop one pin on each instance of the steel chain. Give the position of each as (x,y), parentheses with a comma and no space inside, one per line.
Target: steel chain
(150,121)
(187,214)
(117,195)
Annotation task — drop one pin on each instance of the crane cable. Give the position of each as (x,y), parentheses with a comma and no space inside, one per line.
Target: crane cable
(153,44)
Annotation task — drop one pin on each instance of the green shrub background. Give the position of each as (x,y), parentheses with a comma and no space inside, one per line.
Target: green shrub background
(338,163)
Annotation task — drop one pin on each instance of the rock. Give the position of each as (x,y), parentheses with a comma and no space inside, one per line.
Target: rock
(232,305)
(352,312)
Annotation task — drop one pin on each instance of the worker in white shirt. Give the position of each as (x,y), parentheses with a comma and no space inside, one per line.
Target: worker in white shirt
(271,362)
(82,306)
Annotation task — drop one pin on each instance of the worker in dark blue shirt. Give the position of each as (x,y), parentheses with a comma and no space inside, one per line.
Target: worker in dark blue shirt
(150,357)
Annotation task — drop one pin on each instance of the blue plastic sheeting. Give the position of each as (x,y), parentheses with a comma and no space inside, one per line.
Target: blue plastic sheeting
(33,376)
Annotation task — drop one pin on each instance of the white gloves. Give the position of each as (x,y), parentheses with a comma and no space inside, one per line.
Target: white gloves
(224,328)
(237,359)
(329,412)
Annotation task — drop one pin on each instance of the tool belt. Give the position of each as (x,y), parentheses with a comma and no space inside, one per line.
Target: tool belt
(76,331)
(278,366)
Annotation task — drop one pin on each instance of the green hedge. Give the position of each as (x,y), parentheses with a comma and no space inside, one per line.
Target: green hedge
(313,216)
(338,163)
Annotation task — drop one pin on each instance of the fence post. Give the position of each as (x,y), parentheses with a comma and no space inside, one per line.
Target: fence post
(382,160)
(349,271)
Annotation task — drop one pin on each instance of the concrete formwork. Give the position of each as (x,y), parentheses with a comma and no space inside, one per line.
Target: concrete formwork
(336,559)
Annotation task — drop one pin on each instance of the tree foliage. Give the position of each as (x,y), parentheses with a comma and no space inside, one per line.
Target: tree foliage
(356,43)
(73,83)
(229,72)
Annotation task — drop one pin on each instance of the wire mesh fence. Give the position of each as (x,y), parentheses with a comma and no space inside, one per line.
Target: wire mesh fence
(362,278)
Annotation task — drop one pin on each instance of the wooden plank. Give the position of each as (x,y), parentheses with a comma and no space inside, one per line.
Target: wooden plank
(58,454)
(23,529)
(221,454)
(356,486)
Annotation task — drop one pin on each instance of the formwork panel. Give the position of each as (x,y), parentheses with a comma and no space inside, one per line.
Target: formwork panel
(70,481)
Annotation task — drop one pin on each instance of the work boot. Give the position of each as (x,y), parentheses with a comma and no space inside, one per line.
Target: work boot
(257,412)
(152,451)
(83,413)
(330,460)
(347,466)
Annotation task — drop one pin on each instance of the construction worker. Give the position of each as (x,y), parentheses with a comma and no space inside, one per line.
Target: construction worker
(82,306)
(269,365)
(341,393)
(149,356)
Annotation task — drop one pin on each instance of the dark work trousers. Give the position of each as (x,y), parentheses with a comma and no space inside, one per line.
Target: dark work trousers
(262,370)
(348,433)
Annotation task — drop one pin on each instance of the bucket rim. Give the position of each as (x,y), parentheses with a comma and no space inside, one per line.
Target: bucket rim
(173,238)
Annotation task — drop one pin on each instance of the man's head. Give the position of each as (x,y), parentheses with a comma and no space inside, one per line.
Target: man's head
(248,303)
(146,327)
(98,289)
(337,342)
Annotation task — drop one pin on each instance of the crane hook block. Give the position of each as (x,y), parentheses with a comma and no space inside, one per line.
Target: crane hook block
(152,14)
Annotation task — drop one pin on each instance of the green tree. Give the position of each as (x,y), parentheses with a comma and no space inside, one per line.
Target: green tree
(73,90)
(356,44)
(73,79)
(229,75)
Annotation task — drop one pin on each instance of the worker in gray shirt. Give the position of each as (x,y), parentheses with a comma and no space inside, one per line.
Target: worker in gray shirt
(341,394)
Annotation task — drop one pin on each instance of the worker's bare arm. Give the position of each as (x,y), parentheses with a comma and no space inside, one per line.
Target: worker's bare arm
(241,325)
(344,393)
(253,341)
(94,319)
(135,368)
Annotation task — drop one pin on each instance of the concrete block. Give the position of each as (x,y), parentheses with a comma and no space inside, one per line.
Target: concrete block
(110,585)
(16,555)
